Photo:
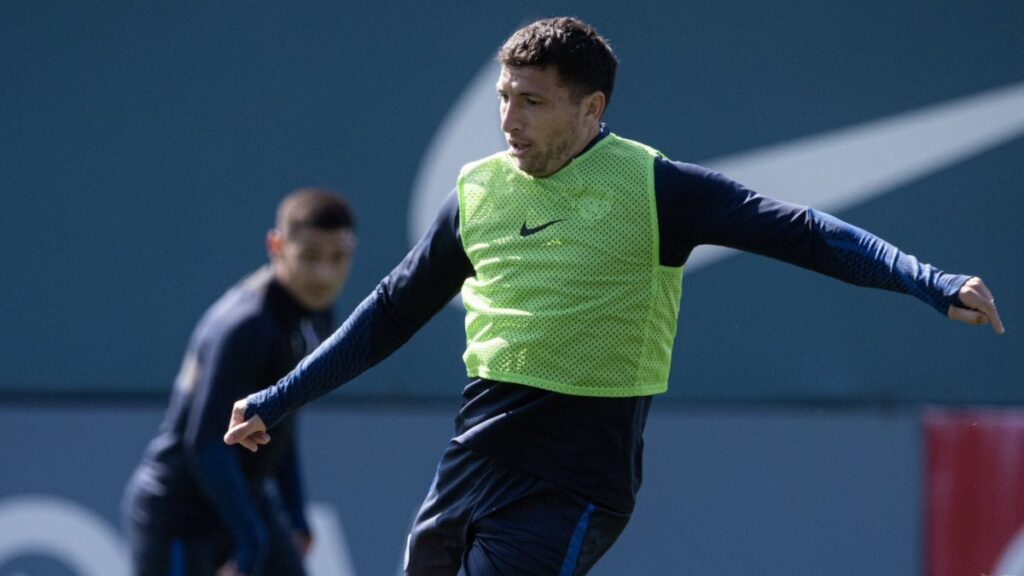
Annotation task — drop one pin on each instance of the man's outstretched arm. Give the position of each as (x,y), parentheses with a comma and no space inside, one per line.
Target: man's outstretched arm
(699,206)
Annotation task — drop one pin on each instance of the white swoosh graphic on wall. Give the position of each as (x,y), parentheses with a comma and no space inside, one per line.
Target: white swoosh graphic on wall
(838,169)
(830,171)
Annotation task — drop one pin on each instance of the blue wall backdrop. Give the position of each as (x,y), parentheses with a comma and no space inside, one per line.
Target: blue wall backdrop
(143,148)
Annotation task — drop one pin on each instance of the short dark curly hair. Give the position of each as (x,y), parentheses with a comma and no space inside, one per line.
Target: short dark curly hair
(313,208)
(583,59)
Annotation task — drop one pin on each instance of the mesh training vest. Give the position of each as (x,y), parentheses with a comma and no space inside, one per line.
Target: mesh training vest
(569,294)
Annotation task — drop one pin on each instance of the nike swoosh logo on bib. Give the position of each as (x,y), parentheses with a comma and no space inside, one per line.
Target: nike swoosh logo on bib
(526,231)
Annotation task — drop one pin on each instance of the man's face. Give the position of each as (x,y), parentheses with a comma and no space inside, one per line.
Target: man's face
(312,263)
(545,127)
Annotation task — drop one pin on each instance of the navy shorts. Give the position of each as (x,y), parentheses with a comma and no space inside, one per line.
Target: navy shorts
(197,550)
(483,517)
(156,551)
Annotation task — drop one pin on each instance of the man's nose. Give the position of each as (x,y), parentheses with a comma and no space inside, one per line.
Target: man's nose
(511,120)
(325,272)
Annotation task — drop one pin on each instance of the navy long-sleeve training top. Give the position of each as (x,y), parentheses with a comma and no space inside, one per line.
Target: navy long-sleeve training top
(189,481)
(593,446)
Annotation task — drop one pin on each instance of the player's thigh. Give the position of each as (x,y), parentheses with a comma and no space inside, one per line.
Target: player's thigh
(283,558)
(202,555)
(548,532)
(437,540)
(150,552)
(162,555)
(284,561)
(148,543)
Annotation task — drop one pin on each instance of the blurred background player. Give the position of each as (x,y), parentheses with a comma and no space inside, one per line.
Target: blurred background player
(195,506)
(568,249)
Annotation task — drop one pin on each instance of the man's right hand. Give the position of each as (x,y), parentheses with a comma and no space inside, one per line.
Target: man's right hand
(979,306)
(251,433)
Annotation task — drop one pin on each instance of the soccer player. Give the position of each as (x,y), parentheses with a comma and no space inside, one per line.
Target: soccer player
(568,248)
(195,506)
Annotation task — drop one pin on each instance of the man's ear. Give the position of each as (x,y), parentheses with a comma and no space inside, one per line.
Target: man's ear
(275,243)
(594,104)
